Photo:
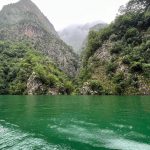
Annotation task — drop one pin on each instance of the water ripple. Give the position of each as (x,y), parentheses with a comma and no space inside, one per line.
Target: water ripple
(12,138)
(97,137)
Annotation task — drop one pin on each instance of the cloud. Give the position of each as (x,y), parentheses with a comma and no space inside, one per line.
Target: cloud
(62,13)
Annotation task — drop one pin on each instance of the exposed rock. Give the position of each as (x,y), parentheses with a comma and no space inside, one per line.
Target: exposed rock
(144,87)
(23,10)
(86,90)
(103,53)
(34,85)
(23,21)
(53,91)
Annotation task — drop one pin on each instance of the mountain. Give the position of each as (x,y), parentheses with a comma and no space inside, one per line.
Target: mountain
(33,59)
(24,10)
(24,21)
(116,58)
(96,27)
(75,35)
(24,70)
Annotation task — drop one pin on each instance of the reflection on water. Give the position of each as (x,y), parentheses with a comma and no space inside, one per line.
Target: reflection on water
(74,123)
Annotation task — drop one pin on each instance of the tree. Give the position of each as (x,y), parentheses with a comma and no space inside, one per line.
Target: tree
(135,6)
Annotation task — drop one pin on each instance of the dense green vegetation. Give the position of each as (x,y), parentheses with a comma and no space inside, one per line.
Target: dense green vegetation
(19,61)
(23,21)
(116,59)
(128,39)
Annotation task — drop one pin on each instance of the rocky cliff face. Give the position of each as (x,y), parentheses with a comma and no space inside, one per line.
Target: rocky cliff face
(35,86)
(23,21)
(25,10)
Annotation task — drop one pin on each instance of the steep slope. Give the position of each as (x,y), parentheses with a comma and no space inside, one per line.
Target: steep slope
(96,27)
(24,21)
(24,10)
(75,35)
(23,70)
(116,59)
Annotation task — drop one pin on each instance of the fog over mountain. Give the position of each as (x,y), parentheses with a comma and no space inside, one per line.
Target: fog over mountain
(75,35)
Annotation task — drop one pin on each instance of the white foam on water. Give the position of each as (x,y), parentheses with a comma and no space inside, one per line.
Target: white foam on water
(94,137)
(83,122)
(97,137)
(52,126)
(125,144)
(136,135)
(122,126)
(13,138)
(2,120)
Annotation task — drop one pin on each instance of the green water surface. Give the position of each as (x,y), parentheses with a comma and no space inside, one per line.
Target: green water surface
(74,123)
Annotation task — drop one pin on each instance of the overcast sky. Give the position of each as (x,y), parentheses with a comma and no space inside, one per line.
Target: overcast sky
(62,13)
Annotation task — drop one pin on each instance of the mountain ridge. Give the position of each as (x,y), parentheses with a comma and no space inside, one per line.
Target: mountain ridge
(33,59)
(24,21)
(21,7)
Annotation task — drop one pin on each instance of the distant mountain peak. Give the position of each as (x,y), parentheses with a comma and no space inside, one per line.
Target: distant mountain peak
(20,3)
(23,21)
(25,10)
(76,34)
(27,3)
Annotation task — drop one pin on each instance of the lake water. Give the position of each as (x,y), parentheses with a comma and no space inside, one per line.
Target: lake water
(74,123)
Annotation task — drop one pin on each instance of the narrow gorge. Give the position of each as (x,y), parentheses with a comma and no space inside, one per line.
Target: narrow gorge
(112,59)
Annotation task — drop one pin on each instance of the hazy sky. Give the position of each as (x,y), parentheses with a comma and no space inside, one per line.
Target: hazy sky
(62,13)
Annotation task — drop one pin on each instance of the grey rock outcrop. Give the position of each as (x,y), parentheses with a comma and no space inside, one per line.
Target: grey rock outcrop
(34,85)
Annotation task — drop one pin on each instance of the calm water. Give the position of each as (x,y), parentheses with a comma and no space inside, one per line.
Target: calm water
(74,123)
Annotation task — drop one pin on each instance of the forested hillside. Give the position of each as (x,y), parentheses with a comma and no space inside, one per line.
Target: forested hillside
(23,21)
(23,70)
(33,59)
(116,59)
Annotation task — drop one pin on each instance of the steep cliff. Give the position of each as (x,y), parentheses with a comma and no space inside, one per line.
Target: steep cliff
(116,58)
(23,21)
(24,70)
